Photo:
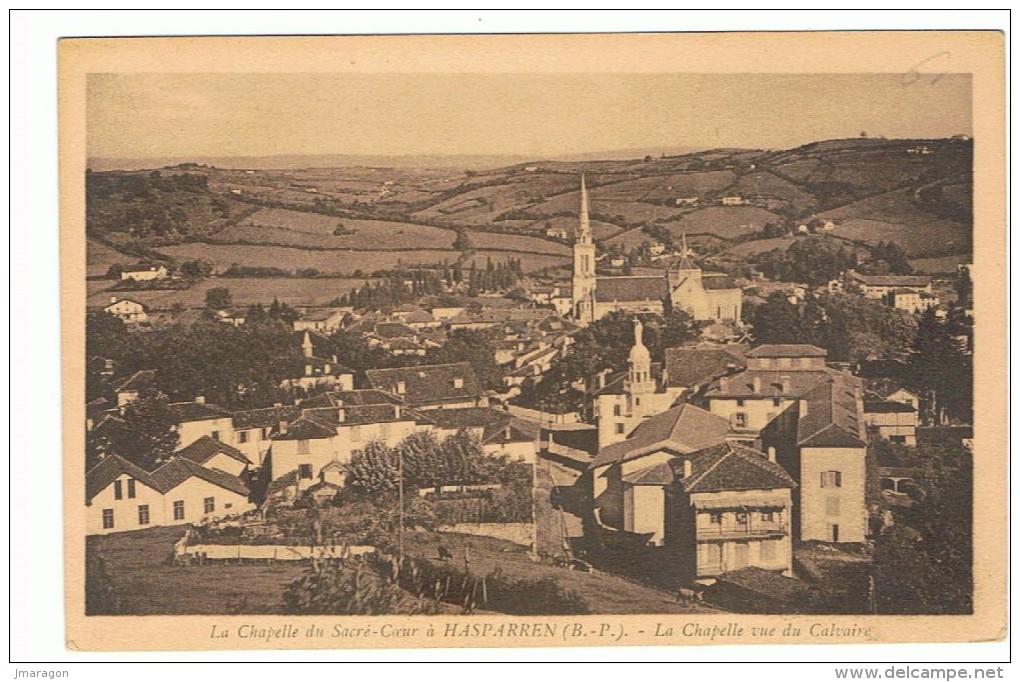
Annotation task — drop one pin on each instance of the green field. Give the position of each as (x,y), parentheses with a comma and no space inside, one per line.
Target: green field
(722,221)
(516,242)
(339,262)
(282,226)
(99,257)
(245,291)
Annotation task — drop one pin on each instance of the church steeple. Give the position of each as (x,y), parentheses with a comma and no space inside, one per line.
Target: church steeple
(584,227)
(584,265)
(685,255)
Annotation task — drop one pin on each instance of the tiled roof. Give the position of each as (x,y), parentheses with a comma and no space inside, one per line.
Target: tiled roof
(466,417)
(787,350)
(265,417)
(307,428)
(892,280)
(163,480)
(688,367)
(108,470)
(657,474)
(393,330)
(712,281)
(320,314)
(741,385)
(356,415)
(729,466)
(684,428)
(831,419)
(886,407)
(196,412)
(428,384)
(138,381)
(205,448)
(362,396)
(635,288)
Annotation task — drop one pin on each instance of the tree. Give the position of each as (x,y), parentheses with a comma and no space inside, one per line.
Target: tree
(145,433)
(114,271)
(196,269)
(373,469)
(942,366)
(217,298)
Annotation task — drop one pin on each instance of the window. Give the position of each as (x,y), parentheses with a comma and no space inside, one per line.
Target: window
(616,410)
(637,401)
(740,403)
(305,471)
(179,510)
(833,532)
(107,518)
(215,435)
(768,550)
(619,429)
(143,515)
(242,436)
(118,492)
(302,446)
(715,518)
(832,506)
(742,518)
(209,505)
(265,432)
(131,488)
(768,516)
(740,420)
(776,402)
(831,479)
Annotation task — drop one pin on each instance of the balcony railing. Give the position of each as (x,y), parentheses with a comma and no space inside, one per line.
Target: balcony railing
(718,534)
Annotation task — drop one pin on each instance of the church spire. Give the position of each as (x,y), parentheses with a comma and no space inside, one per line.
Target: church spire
(584,228)
(685,255)
(639,375)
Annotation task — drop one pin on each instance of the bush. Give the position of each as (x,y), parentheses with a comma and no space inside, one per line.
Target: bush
(351,590)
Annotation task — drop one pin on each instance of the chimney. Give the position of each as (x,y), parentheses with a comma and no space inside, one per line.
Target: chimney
(688,468)
(333,358)
(308,370)
(341,415)
(113,299)
(200,399)
(756,385)
(396,411)
(284,424)
(785,382)
(802,408)
(89,424)
(326,368)
(772,454)
(724,384)
(506,433)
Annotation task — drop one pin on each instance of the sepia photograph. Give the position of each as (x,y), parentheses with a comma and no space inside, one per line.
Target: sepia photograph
(390,358)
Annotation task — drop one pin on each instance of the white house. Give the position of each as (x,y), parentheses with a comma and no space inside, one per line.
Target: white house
(127,310)
(143,272)
(198,418)
(121,496)
(321,320)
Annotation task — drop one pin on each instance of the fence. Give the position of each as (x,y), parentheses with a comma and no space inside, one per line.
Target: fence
(185,553)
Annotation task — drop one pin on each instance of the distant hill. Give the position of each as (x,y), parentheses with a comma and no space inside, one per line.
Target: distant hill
(915,192)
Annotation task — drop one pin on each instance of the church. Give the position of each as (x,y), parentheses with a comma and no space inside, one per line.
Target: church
(708,296)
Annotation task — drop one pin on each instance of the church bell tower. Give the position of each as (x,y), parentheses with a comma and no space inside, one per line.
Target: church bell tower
(583,294)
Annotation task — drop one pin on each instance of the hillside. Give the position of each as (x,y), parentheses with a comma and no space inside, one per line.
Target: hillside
(914,192)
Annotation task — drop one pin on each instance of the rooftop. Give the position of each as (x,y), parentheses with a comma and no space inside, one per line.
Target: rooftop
(729,466)
(428,384)
(682,429)
(787,350)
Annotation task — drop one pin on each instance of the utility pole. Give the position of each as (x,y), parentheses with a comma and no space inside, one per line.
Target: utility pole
(400,511)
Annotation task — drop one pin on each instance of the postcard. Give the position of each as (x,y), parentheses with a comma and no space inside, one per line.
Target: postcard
(533,340)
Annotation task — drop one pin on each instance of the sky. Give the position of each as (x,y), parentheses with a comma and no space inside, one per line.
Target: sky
(175,115)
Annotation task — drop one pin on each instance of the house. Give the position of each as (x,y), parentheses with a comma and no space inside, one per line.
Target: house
(323,435)
(445,314)
(198,418)
(878,287)
(628,487)
(254,429)
(891,420)
(213,454)
(317,370)
(727,507)
(496,430)
(121,496)
(820,439)
(732,201)
(429,387)
(232,316)
(128,311)
(775,377)
(911,300)
(143,272)
(557,233)
(687,201)
(321,320)
(690,370)
(128,389)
